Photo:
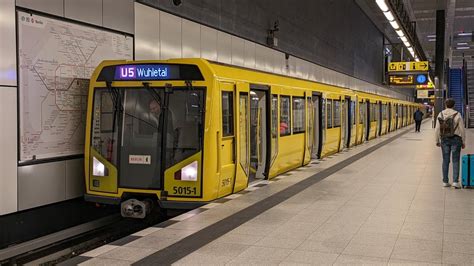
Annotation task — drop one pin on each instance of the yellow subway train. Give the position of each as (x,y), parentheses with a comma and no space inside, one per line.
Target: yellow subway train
(183,132)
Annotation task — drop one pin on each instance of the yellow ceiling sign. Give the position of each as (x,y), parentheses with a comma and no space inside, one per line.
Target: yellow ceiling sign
(408,66)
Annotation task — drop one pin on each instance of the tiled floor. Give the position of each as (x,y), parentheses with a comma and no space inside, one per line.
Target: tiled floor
(387,208)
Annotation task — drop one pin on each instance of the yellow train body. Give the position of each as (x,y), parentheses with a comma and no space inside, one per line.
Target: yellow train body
(255,125)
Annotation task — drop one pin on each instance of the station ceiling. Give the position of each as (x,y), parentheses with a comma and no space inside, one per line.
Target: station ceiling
(459,20)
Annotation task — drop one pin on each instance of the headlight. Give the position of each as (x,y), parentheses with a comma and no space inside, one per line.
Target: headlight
(98,168)
(187,173)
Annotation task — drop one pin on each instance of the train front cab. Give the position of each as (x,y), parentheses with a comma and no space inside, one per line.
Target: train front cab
(146,137)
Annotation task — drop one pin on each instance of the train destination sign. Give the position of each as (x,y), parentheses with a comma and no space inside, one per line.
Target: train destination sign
(408,66)
(146,72)
(408,79)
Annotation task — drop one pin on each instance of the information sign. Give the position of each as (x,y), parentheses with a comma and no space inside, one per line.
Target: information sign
(408,66)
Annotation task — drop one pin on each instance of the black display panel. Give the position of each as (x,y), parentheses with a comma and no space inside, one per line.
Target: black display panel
(149,72)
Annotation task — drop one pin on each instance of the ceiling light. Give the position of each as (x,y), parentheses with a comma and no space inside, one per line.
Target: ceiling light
(465,34)
(400,33)
(431,36)
(404,39)
(410,49)
(462,43)
(389,15)
(432,40)
(407,44)
(463,48)
(394,24)
(382,5)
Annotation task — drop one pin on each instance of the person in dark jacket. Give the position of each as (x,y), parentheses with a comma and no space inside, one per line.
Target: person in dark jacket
(418,116)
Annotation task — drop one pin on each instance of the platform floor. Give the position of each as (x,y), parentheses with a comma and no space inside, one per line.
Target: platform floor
(379,203)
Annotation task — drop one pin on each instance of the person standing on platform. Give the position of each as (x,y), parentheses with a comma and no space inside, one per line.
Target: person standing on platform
(418,116)
(450,136)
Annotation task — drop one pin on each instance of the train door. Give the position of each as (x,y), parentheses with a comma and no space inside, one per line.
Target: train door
(367,120)
(397,115)
(361,123)
(243,137)
(380,116)
(259,129)
(340,110)
(403,115)
(348,115)
(226,140)
(389,117)
(317,127)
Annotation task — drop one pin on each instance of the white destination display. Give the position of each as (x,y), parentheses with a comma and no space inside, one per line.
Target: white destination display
(56,60)
(139,159)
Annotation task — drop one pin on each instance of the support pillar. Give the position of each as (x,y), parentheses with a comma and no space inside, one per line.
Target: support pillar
(439,62)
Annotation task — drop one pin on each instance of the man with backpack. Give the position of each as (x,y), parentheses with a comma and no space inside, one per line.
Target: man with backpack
(450,136)
(418,117)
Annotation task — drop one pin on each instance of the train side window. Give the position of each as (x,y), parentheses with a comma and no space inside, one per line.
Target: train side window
(337,113)
(361,112)
(298,115)
(227,114)
(329,112)
(285,120)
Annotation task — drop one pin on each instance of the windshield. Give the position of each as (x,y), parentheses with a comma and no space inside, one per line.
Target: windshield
(145,130)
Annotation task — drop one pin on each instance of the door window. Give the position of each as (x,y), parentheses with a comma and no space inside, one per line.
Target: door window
(329,112)
(298,115)
(285,122)
(227,114)
(274,116)
(244,132)
(337,113)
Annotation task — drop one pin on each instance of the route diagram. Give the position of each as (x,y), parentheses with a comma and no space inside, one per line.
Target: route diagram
(56,60)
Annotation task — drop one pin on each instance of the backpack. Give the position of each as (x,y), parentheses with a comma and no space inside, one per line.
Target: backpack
(447,126)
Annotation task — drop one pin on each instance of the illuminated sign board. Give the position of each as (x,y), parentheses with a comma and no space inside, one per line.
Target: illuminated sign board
(146,72)
(429,85)
(422,94)
(150,72)
(408,79)
(408,66)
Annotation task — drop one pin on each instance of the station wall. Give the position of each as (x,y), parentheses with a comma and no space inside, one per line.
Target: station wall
(158,34)
(161,35)
(29,186)
(335,34)
(8,108)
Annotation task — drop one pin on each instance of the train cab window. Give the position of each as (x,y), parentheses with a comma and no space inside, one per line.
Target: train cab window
(298,115)
(227,114)
(105,125)
(337,113)
(329,112)
(285,119)
(186,110)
